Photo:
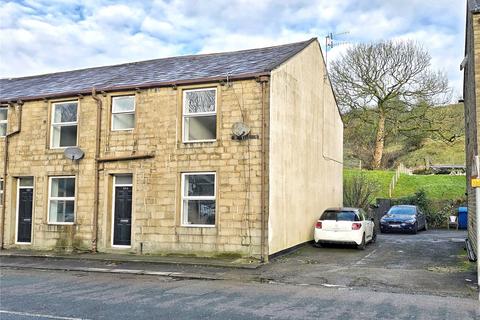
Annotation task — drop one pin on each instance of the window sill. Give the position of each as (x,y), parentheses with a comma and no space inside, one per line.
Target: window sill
(122,130)
(198,225)
(60,223)
(59,149)
(197,144)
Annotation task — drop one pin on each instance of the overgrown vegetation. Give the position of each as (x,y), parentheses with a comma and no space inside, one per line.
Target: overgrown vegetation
(417,148)
(359,190)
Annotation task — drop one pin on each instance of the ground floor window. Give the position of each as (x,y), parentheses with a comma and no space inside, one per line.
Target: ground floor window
(1,191)
(198,199)
(61,200)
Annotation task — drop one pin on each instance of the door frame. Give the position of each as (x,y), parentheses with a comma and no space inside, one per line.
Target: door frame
(113,211)
(17,209)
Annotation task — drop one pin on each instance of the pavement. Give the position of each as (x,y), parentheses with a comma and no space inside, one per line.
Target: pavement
(432,262)
(220,261)
(428,268)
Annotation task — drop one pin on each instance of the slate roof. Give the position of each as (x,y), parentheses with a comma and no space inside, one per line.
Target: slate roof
(158,72)
(474,5)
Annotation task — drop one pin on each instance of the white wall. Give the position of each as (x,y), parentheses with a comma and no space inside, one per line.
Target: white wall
(305,149)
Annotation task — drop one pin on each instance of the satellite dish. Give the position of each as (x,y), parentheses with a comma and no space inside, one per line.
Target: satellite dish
(73,153)
(240,129)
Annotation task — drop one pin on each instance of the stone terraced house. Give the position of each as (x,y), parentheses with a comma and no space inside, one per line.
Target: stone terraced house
(227,153)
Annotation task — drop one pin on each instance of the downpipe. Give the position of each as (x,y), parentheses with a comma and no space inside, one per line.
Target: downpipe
(5,170)
(97,174)
(264,212)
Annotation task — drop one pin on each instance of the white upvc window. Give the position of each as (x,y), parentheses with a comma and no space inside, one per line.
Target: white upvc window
(199,199)
(200,115)
(3,121)
(64,124)
(123,113)
(1,191)
(61,200)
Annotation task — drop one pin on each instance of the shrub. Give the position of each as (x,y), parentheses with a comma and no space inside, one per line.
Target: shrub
(359,191)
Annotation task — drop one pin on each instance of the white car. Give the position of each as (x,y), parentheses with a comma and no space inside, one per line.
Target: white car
(344,225)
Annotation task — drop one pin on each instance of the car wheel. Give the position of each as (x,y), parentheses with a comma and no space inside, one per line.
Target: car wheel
(383,231)
(361,246)
(415,229)
(374,236)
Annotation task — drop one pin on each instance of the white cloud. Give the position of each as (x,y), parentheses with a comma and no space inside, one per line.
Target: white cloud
(51,35)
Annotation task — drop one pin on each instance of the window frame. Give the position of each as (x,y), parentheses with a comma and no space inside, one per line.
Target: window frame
(186,114)
(1,191)
(4,121)
(183,216)
(50,198)
(124,112)
(62,124)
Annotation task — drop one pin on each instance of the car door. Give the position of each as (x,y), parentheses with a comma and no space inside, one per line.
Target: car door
(368,225)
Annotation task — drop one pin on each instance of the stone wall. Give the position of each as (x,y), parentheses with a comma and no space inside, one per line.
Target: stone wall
(156,224)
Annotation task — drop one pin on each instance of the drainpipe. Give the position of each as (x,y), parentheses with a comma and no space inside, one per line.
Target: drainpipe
(97,174)
(264,219)
(5,166)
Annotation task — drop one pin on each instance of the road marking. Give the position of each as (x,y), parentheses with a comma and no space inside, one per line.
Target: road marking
(361,261)
(37,315)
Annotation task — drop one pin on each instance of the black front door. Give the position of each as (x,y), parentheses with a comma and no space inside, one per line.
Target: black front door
(25,207)
(122,228)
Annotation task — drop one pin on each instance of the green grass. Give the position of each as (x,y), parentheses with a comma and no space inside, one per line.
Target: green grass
(436,152)
(437,187)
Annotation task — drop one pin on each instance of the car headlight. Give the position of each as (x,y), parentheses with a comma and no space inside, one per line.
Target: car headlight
(410,221)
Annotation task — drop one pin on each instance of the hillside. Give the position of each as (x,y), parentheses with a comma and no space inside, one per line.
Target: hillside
(437,187)
(431,149)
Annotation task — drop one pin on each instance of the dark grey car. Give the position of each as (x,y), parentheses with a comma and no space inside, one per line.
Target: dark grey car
(403,218)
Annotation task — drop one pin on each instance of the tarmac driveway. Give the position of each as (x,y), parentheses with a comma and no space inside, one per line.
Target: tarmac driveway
(431,262)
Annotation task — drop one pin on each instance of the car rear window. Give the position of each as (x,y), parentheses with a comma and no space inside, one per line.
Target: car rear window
(339,215)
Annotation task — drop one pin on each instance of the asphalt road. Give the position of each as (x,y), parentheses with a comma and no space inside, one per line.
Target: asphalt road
(33,294)
(402,276)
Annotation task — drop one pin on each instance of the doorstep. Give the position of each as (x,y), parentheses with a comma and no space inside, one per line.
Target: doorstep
(241,263)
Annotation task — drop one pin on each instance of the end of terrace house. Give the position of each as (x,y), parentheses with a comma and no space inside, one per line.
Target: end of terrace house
(235,152)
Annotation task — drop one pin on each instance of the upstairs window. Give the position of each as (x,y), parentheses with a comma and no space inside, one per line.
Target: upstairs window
(64,124)
(3,121)
(123,113)
(200,115)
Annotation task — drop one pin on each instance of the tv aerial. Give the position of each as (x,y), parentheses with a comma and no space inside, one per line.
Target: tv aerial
(73,153)
(331,41)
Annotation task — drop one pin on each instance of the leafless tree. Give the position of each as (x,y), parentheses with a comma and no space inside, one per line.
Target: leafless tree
(391,79)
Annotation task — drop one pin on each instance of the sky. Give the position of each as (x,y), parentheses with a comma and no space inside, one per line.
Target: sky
(42,36)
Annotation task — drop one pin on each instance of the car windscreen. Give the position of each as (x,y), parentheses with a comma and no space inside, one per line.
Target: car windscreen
(339,215)
(402,210)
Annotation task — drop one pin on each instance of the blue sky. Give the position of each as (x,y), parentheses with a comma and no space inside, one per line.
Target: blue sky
(40,36)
